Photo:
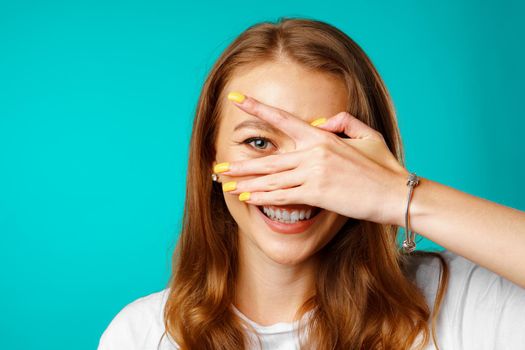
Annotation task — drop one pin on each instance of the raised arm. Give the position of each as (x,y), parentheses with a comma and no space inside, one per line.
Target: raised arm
(359,177)
(487,233)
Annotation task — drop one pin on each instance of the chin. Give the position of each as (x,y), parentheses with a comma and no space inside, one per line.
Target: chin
(286,253)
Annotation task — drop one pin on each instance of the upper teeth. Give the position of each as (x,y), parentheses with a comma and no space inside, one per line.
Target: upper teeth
(284,215)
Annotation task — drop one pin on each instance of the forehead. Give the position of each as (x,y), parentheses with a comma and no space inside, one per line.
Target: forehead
(288,86)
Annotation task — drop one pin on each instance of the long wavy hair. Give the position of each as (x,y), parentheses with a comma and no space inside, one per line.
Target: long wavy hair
(363,298)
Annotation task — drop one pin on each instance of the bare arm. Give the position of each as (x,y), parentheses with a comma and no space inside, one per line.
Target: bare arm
(487,233)
(359,177)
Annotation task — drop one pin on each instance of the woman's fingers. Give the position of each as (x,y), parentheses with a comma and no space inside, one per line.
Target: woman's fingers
(278,197)
(281,180)
(351,126)
(293,126)
(263,165)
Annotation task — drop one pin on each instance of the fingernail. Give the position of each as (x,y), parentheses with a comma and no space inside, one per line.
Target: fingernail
(318,121)
(229,186)
(244,196)
(236,96)
(221,167)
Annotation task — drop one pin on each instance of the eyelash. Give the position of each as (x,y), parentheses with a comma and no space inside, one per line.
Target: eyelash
(256,138)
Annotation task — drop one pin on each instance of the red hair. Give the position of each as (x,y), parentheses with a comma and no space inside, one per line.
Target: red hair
(363,298)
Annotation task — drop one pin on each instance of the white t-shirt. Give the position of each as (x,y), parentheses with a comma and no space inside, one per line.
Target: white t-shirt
(480,310)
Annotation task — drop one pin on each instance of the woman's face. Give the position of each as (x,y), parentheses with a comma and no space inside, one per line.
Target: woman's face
(307,95)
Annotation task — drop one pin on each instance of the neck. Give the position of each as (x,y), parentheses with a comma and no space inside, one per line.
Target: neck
(268,292)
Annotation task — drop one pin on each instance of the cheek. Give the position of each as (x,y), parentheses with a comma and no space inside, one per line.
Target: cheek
(332,224)
(238,210)
(235,206)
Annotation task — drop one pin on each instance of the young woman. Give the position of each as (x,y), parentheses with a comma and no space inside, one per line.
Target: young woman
(291,243)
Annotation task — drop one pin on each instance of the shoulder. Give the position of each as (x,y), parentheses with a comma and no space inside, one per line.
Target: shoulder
(480,308)
(139,325)
(465,276)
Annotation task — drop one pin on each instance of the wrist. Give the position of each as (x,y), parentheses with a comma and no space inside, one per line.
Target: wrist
(401,198)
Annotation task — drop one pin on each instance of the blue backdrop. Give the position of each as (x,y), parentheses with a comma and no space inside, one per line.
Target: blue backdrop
(96,105)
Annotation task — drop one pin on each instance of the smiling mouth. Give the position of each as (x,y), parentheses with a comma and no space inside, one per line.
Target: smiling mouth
(289,214)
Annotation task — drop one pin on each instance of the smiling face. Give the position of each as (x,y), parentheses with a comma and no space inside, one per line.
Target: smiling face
(307,95)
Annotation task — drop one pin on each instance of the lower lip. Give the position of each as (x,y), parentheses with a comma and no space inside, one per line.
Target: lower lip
(296,227)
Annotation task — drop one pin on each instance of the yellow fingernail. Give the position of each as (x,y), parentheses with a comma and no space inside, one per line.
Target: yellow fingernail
(221,167)
(236,96)
(318,121)
(244,196)
(229,186)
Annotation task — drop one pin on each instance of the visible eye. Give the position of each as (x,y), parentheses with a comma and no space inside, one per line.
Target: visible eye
(258,143)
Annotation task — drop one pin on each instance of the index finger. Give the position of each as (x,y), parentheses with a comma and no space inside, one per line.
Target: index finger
(293,126)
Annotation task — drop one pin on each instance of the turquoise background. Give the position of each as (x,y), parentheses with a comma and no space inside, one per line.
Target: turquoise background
(96,105)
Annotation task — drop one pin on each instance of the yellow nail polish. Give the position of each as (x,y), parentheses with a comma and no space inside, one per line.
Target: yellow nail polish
(318,121)
(236,96)
(221,167)
(244,196)
(229,186)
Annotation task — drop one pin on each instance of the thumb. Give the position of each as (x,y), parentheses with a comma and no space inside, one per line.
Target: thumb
(352,127)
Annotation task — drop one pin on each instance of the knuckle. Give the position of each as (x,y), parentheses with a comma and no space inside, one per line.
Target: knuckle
(280,116)
(272,184)
(326,138)
(239,167)
(280,198)
(322,151)
(317,170)
(378,136)
(346,115)
(271,165)
(255,107)
(273,197)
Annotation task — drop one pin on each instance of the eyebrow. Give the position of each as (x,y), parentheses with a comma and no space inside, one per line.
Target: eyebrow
(257,124)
